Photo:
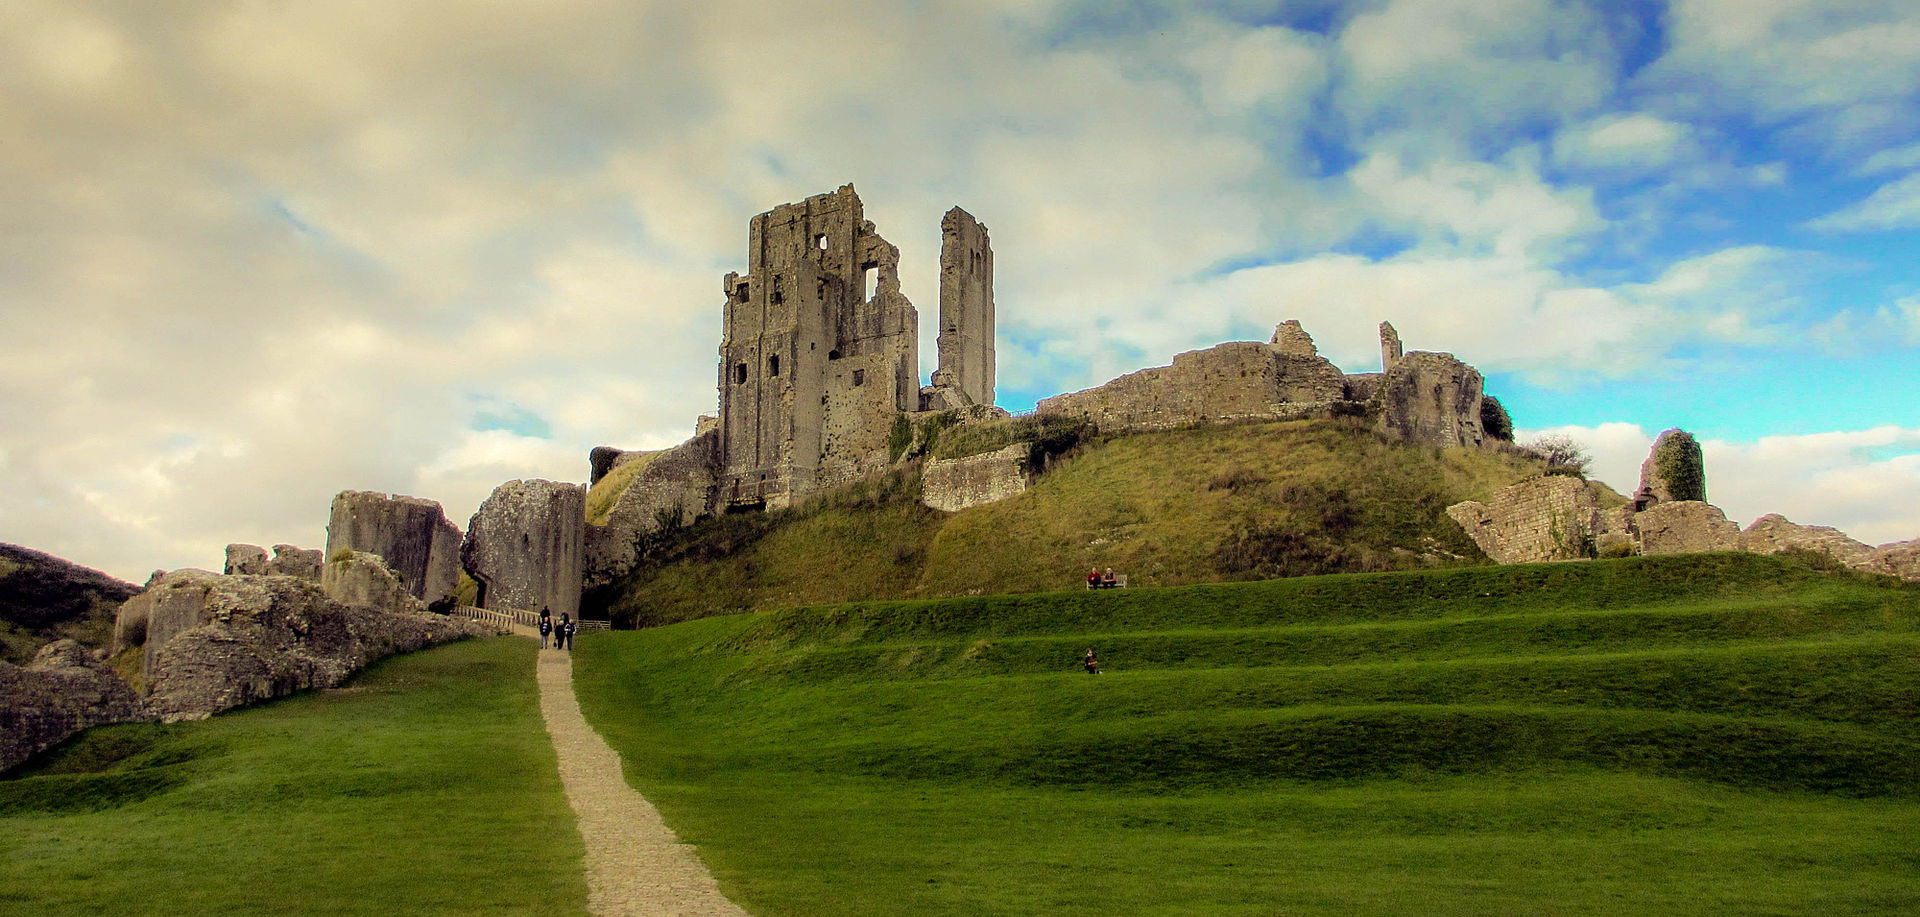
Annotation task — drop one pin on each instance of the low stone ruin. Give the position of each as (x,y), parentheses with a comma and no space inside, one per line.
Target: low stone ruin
(251,560)
(525,546)
(1557,517)
(66,688)
(956,484)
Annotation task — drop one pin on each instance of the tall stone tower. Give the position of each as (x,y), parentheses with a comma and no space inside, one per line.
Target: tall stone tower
(966,308)
(820,353)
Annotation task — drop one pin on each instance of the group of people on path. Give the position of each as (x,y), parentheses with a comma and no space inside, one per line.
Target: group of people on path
(561,632)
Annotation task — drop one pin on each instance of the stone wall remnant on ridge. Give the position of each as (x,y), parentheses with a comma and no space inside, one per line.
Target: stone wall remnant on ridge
(525,546)
(246,558)
(1685,527)
(1290,338)
(1234,381)
(966,310)
(412,535)
(299,563)
(1390,348)
(1774,533)
(955,484)
(1431,398)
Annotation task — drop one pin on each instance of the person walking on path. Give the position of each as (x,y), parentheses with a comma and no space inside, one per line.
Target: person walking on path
(546,627)
(563,633)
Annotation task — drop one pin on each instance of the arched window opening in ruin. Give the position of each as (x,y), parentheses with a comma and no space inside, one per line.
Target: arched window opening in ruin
(773,365)
(778,297)
(859,377)
(740,374)
(867,278)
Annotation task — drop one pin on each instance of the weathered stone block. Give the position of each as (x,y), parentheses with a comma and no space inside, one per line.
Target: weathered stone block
(246,559)
(363,580)
(956,484)
(526,545)
(299,563)
(1290,338)
(1685,527)
(1431,398)
(676,484)
(66,688)
(1774,533)
(412,535)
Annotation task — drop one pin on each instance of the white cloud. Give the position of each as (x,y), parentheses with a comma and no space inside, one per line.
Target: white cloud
(1895,205)
(1630,141)
(1476,206)
(1897,159)
(1864,482)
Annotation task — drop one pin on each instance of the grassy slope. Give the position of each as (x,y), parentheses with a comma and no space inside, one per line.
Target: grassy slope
(44,598)
(1185,506)
(427,785)
(1724,733)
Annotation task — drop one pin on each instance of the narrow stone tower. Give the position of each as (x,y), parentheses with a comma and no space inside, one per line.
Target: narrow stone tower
(966,308)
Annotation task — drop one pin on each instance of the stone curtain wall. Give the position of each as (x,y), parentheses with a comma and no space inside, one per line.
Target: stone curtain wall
(1554,517)
(1233,381)
(956,484)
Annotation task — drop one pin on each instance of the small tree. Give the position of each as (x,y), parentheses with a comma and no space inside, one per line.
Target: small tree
(1562,453)
(1494,419)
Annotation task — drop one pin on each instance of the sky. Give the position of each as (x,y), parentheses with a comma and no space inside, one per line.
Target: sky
(256,253)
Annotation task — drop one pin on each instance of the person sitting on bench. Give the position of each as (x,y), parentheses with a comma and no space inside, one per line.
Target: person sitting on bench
(1093,578)
(1108,580)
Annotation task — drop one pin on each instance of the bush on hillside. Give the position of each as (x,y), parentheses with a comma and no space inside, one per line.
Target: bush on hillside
(1562,453)
(1494,419)
(1679,462)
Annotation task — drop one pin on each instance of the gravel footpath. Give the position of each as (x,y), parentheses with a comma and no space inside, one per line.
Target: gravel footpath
(635,864)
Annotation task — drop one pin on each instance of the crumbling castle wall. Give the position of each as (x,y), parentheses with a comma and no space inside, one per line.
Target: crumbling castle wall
(1390,349)
(412,535)
(1430,398)
(1553,517)
(66,688)
(300,563)
(956,484)
(966,310)
(1685,527)
(1234,381)
(1774,533)
(525,546)
(246,558)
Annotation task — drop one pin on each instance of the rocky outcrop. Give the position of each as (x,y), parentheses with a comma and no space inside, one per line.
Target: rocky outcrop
(412,535)
(1555,517)
(956,484)
(1685,527)
(66,688)
(1774,533)
(526,545)
(362,580)
(1430,398)
(247,559)
(675,487)
(209,643)
(299,563)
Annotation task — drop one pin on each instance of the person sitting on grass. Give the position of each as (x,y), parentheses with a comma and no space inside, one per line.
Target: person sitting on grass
(1093,665)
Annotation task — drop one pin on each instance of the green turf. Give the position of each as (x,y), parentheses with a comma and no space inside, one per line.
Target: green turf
(425,786)
(1712,734)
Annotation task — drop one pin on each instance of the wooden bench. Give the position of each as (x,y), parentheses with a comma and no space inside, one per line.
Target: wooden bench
(1119,582)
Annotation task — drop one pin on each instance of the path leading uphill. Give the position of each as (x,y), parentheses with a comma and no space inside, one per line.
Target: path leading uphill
(635,864)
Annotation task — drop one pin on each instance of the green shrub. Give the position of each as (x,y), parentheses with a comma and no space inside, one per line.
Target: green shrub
(1678,460)
(1494,419)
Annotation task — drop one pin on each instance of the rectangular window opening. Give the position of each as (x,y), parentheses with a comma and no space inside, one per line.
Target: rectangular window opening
(740,374)
(859,377)
(868,276)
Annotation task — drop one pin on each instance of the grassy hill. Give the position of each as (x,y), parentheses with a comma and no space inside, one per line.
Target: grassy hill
(1718,733)
(44,598)
(1198,505)
(427,785)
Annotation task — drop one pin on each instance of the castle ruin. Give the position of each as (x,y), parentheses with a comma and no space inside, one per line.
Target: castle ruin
(821,351)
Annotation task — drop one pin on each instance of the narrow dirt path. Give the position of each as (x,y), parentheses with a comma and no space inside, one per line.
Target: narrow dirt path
(635,864)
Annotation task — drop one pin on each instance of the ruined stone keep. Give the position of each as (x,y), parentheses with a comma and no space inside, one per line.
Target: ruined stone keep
(820,353)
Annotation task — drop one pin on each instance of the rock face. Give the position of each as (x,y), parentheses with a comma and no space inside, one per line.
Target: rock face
(248,559)
(955,484)
(526,545)
(1234,381)
(1674,469)
(1548,518)
(1685,527)
(1773,533)
(66,688)
(362,580)
(677,484)
(412,535)
(1431,398)
(209,643)
(299,563)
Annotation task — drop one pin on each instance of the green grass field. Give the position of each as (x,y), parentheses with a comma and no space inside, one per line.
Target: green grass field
(1711,734)
(424,786)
